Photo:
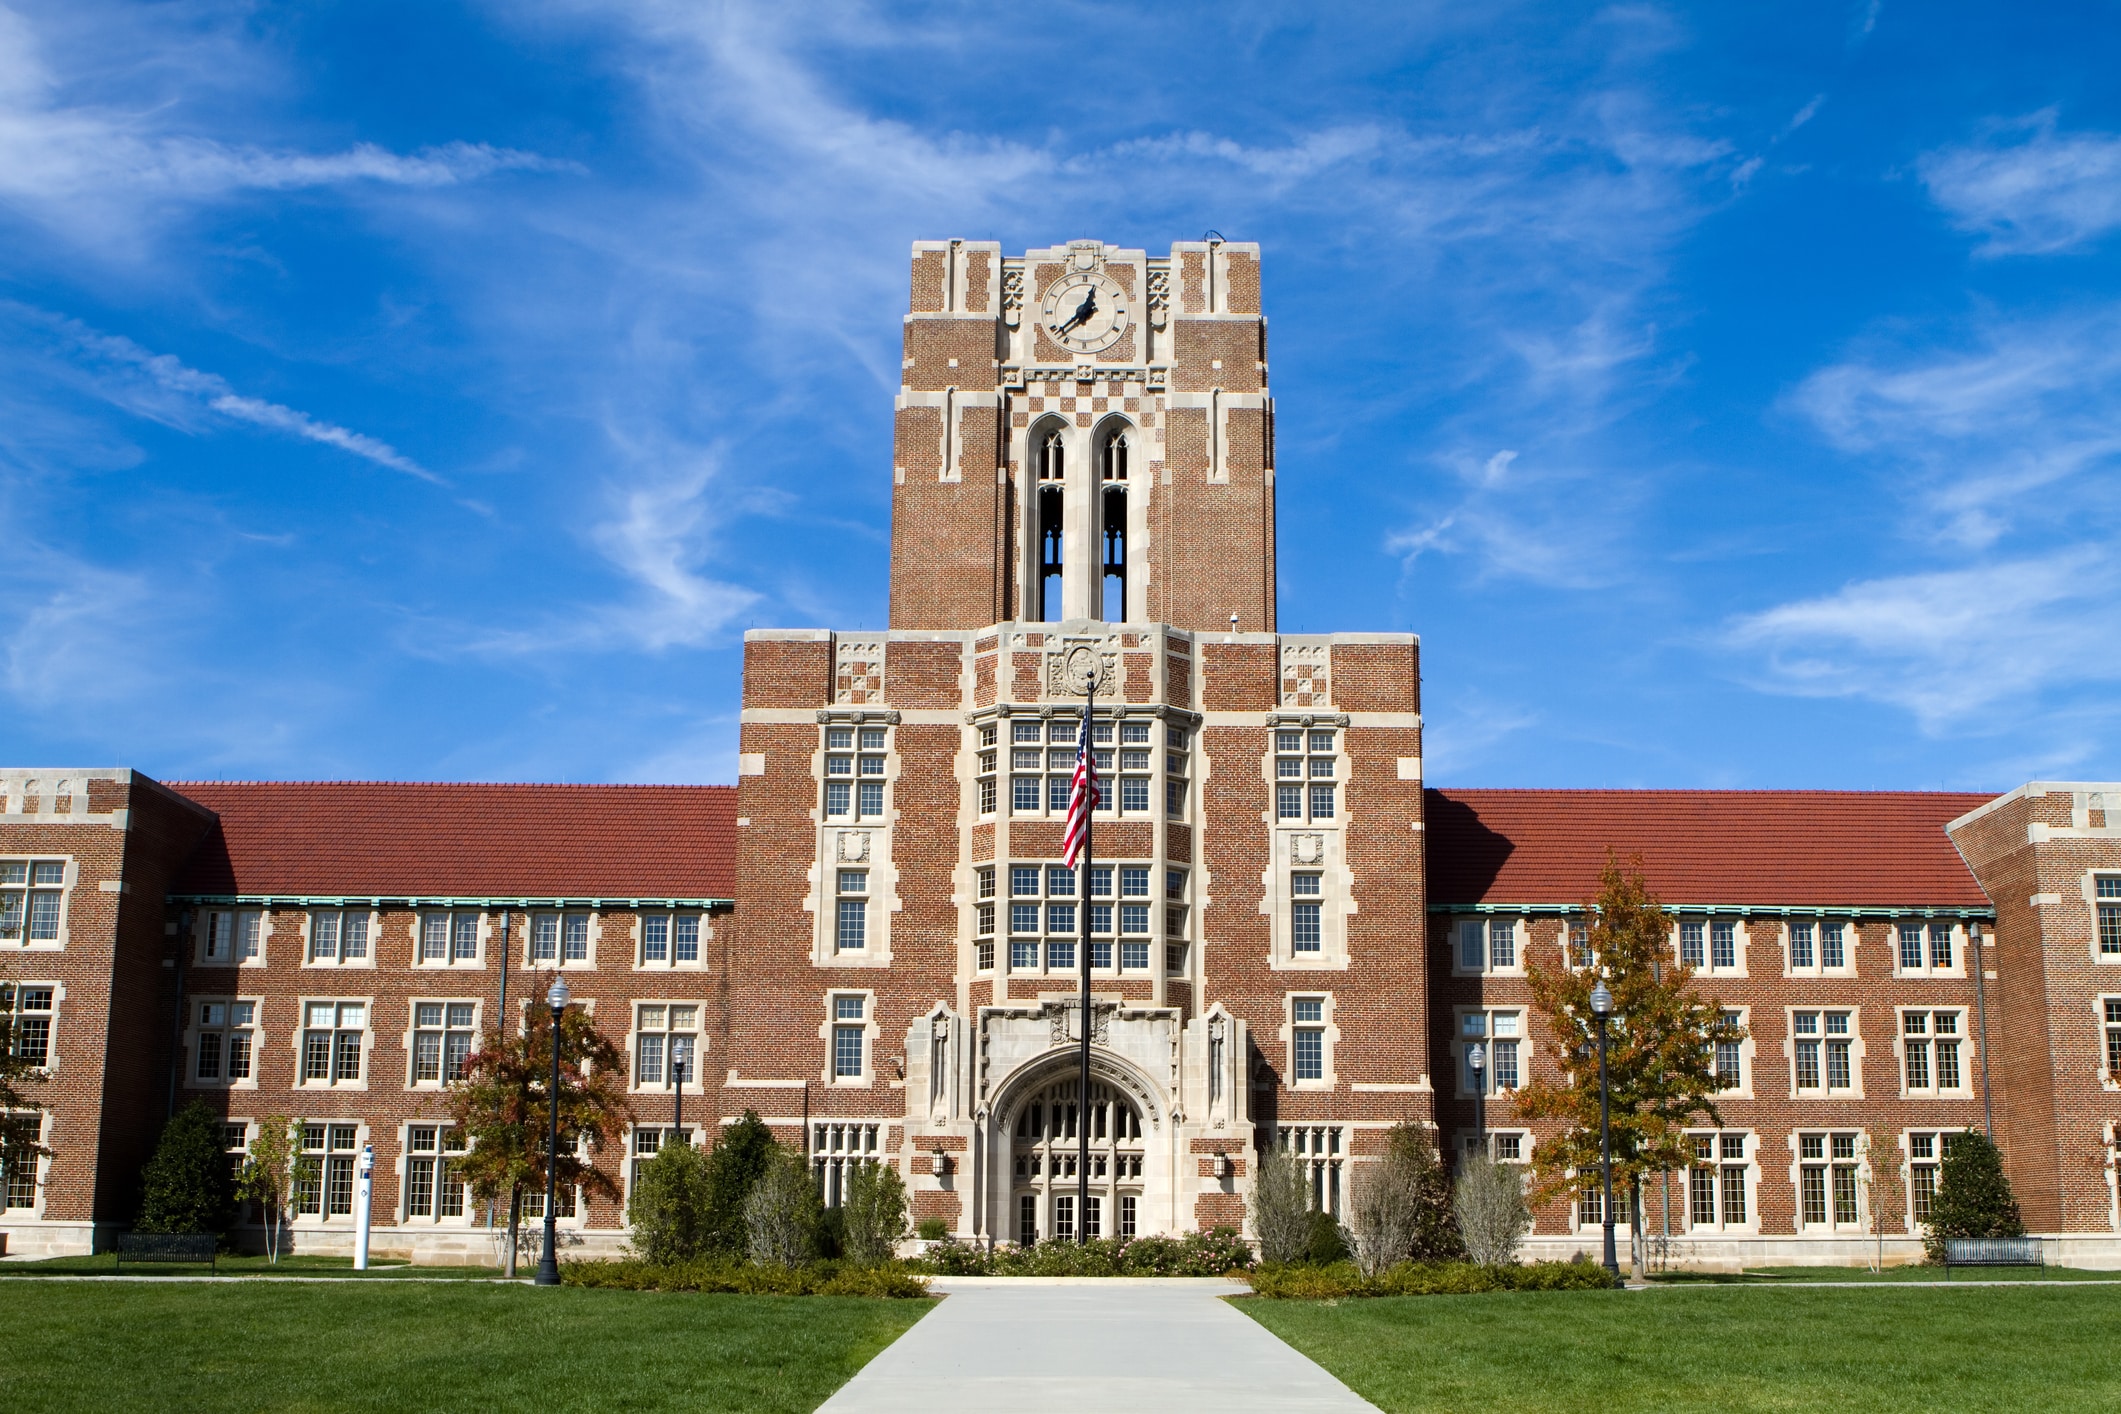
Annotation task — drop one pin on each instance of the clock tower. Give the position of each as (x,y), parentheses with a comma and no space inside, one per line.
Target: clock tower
(1084,432)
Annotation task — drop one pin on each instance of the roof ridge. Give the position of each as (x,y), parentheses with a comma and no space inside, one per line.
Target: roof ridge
(469,785)
(1695,790)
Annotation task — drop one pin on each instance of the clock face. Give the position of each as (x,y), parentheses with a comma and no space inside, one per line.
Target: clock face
(1085,313)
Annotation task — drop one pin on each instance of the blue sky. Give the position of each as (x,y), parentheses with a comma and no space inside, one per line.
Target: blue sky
(1728,395)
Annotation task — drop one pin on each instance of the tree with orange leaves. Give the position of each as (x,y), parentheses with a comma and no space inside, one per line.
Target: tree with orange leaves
(500,1108)
(1661,1047)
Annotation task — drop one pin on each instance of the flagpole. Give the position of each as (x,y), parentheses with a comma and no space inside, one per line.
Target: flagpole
(1082,945)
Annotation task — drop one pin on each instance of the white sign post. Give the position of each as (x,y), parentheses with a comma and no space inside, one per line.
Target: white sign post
(364,1184)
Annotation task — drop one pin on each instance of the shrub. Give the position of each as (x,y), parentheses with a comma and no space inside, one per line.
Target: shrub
(1380,1215)
(828,1232)
(186,1185)
(874,1209)
(1492,1217)
(724,1274)
(1436,1236)
(1400,1207)
(669,1208)
(1281,1207)
(742,1153)
(1344,1279)
(1329,1241)
(1197,1254)
(1973,1197)
(782,1215)
(933,1229)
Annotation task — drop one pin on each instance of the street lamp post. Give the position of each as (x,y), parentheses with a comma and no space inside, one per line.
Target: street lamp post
(549,1264)
(677,1117)
(1602,1007)
(1477,1061)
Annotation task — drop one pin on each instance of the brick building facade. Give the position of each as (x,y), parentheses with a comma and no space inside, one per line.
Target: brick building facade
(870,939)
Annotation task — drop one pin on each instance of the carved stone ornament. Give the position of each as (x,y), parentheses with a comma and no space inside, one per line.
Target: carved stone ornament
(1069,673)
(1159,297)
(1100,1022)
(858,671)
(1304,849)
(1012,295)
(1306,680)
(854,846)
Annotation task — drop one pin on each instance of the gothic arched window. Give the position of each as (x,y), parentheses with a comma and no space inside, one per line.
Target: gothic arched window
(1115,459)
(1052,457)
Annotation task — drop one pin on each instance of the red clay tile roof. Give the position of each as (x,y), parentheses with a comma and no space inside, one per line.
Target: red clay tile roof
(1802,848)
(446,840)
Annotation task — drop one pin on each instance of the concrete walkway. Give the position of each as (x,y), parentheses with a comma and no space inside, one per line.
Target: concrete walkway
(1108,1343)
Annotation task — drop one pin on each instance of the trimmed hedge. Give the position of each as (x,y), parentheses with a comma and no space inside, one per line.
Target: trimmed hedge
(724,1274)
(1197,1254)
(1426,1279)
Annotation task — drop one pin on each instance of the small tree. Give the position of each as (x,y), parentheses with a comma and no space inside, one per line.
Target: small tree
(781,1214)
(1492,1217)
(273,1170)
(1435,1233)
(1973,1197)
(1381,1216)
(742,1154)
(875,1208)
(668,1210)
(1281,1207)
(1885,1194)
(21,1115)
(185,1186)
(500,1106)
(1400,1206)
(1661,1046)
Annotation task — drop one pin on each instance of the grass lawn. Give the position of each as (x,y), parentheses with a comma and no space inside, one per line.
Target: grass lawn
(257,1345)
(1767,1276)
(291,1265)
(1718,1348)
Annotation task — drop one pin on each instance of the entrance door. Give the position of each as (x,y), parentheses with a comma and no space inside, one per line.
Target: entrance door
(1044,1153)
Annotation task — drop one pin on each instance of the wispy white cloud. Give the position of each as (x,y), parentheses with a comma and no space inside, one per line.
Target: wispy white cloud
(163,387)
(658,531)
(100,172)
(2028,189)
(1971,432)
(2001,445)
(1525,520)
(1948,647)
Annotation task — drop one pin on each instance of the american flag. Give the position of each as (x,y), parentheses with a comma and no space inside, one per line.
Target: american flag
(1082,798)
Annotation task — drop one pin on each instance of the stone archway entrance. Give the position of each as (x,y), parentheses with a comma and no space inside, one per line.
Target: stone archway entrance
(1044,1151)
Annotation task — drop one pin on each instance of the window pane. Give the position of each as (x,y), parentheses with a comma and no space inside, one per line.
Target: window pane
(1310,1054)
(847,1051)
(853,924)
(1472,944)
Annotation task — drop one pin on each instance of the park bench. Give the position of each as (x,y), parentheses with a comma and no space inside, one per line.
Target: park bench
(1991,1252)
(167,1247)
